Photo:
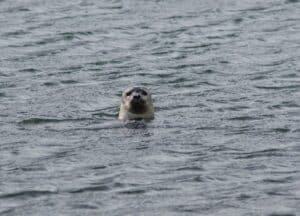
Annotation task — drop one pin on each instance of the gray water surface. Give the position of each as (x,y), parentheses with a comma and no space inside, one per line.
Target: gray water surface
(225,77)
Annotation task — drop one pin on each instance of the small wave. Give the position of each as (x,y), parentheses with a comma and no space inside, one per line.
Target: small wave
(183,66)
(206,83)
(98,167)
(204,45)
(133,191)
(243,118)
(7,85)
(258,8)
(84,206)
(91,188)
(291,1)
(28,193)
(40,53)
(173,107)
(105,115)
(188,209)
(234,108)
(136,124)
(17,9)
(68,81)
(7,211)
(207,128)
(281,130)
(14,33)
(282,214)
(32,121)
(285,104)
(77,33)
(71,69)
(190,168)
(244,197)
(209,71)
(103,126)
(279,181)
(278,87)
(116,7)
(50,83)
(238,20)
(29,70)
(179,16)
(182,152)
(111,61)
(263,153)
(175,31)
(277,192)
(274,63)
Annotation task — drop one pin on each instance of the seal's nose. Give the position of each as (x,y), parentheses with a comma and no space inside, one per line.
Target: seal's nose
(137,96)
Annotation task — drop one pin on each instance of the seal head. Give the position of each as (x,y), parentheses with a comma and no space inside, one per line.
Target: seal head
(136,103)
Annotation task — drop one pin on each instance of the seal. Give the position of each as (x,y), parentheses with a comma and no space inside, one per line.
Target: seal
(136,103)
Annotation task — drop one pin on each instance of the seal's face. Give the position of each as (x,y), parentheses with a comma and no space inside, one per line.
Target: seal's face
(136,103)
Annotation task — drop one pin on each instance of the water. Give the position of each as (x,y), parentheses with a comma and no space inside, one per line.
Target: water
(225,80)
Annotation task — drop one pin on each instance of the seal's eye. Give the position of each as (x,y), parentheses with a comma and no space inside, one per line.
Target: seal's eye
(128,93)
(144,92)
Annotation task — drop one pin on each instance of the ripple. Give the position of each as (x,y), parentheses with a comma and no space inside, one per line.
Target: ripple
(174,32)
(278,180)
(50,84)
(190,168)
(91,188)
(36,121)
(106,115)
(132,192)
(237,108)
(17,9)
(7,211)
(285,104)
(98,167)
(68,81)
(262,153)
(85,206)
(40,53)
(257,8)
(281,130)
(187,209)
(183,66)
(281,214)
(291,1)
(277,192)
(29,70)
(111,61)
(204,45)
(136,124)
(162,108)
(278,87)
(72,69)
(209,71)
(15,33)
(28,193)
(68,35)
(161,53)
(238,20)
(243,118)
(244,197)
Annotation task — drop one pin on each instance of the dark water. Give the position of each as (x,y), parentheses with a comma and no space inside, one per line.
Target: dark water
(226,84)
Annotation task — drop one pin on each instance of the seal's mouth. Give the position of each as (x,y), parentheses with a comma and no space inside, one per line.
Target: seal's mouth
(137,106)
(137,101)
